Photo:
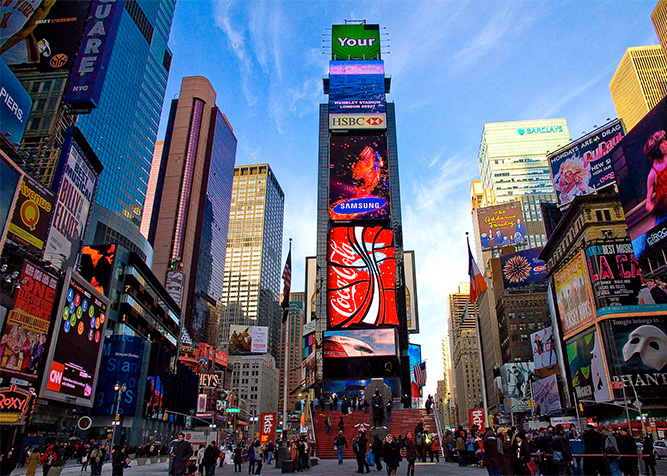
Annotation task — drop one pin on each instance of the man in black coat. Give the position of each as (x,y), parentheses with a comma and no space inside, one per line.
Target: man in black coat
(628,446)
(362,447)
(593,465)
(211,455)
(181,452)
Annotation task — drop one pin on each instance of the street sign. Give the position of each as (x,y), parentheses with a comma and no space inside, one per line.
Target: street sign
(233,410)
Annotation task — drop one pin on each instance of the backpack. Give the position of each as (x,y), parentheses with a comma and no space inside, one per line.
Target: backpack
(49,459)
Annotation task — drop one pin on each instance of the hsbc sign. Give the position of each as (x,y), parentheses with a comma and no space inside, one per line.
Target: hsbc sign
(357,121)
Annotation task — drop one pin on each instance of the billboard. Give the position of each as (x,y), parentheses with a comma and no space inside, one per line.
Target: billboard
(23,341)
(121,363)
(636,351)
(638,163)
(15,103)
(309,343)
(501,225)
(361,277)
(350,42)
(32,214)
(75,186)
(545,394)
(359,343)
(75,352)
(248,339)
(523,268)
(90,67)
(587,371)
(544,348)
(517,378)
(584,166)
(359,178)
(411,309)
(573,296)
(356,88)
(11,177)
(41,39)
(362,367)
(97,265)
(355,387)
(615,276)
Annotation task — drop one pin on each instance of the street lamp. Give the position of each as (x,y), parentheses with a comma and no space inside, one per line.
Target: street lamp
(120,389)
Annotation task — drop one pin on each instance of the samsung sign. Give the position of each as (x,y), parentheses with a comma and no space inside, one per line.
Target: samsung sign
(357,121)
(540,130)
(15,104)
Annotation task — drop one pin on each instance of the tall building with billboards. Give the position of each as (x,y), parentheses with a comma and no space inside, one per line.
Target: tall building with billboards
(251,283)
(359,214)
(639,83)
(189,221)
(291,347)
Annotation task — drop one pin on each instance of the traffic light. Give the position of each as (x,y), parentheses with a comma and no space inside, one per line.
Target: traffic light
(581,407)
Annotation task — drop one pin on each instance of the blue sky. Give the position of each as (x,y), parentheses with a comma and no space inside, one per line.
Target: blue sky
(455,65)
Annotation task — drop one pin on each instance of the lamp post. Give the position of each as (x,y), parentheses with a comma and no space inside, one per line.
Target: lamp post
(120,389)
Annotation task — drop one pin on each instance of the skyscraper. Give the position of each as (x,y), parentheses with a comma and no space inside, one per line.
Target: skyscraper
(251,284)
(189,221)
(150,191)
(639,83)
(659,17)
(294,349)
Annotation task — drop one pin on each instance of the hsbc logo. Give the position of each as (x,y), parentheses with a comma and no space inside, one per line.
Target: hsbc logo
(357,121)
(55,377)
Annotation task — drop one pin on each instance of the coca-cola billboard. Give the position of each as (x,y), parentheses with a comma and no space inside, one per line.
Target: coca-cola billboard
(361,277)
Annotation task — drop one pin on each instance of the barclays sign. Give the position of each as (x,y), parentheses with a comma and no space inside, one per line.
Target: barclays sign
(539,130)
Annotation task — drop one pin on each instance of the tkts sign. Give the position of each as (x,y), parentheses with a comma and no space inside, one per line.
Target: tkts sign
(14,405)
(267,426)
(476,417)
(361,277)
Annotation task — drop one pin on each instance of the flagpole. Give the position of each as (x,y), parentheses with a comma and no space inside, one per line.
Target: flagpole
(286,356)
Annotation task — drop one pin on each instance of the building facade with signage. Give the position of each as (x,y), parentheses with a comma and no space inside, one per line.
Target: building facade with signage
(255,380)
(290,347)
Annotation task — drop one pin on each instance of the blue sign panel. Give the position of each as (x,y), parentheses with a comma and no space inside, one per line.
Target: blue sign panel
(15,104)
(357,87)
(85,84)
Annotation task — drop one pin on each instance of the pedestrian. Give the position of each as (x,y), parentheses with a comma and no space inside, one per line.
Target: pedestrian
(33,461)
(251,458)
(270,448)
(610,451)
(460,445)
(361,449)
(48,459)
(593,465)
(376,447)
(211,454)
(627,446)
(238,458)
(649,457)
(410,453)
(429,404)
(200,459)
(327,422)
(341,425)
(340,442)
(258,458)
(8,463)
(181,452)
(493,454)
(562,456)
(118,460)
(521,454)
(391,454)
(334,401)
(507,451)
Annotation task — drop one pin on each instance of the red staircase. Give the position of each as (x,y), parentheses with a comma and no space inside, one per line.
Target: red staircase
(402,422)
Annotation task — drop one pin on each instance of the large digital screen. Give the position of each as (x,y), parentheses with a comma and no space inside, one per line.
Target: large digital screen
(97,265)
(356,41)
(248,339)
(615,276)
(359,178)
(362,367)
(584,166)
(359,343)
(342,387)
(501,225)
(640,168)
(357,87)
(523,268)
(573,296)
(32,214)
(74,358)
(584,356)
(361,288)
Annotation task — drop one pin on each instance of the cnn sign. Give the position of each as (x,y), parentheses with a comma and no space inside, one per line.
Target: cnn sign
(476,417)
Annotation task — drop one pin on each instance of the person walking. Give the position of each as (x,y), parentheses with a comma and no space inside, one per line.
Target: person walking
(118,460)
(181,452)
(627,446)
(211,454)
(521,454)
(460,446)
(327,422)
(649,457)
(48,459)
(33,461)
(8,463)
(341,425)
(361,450)
(610,451)
(391,455)
(493,454)
(429,404)
(200,459)
(340,442)
(410,453)
(251,458)
(593,465)
(258,458)
(562,456)
(238,458)
(376,448)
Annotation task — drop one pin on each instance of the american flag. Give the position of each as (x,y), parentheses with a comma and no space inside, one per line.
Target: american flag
(287,282)
(420,374)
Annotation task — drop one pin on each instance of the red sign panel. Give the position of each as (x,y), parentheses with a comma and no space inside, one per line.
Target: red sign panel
(210,352)
(361,277)
(476,417)
(267,427)
(14,404)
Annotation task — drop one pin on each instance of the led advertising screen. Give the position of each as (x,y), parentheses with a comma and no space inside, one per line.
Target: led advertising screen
(545,394)
(121,363)
(636,351)
(501,225)
(355,387)
(411,309)
(544,348)
(523,268)
(350,42)
(96,266)
(357,88)
(639,166)
(23,341)
(359,178)
(41,36)
(32,214)
(359,343)
(248,339)
(76,183)
(584,166)
(573,296)
(74,356)
(361,277)
(584,356)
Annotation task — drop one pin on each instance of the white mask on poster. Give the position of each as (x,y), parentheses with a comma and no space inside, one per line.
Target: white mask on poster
(651,345)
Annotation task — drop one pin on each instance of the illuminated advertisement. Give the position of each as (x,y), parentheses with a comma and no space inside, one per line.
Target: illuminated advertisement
(32,214)
(616,277)
(75,352)
(90,67)
(544,348)
(411,310)
(415,358)
(355,387)
(361,277)
(14,405)
(96,266)
(639,167)
(350,42)
(359,343)
(545,394)
(309,375)
(209,353)
(76,183)
(248,339)
(501,225)
(587,372)
(476,417)
(309,344)
(584,166)
(11,177)
(48,34)
(15,103)
(636,351)
(362,367)
(517,378)
(357,88)
(573,296)
(121,363)
(359,178)
(523,268)
(23,341)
